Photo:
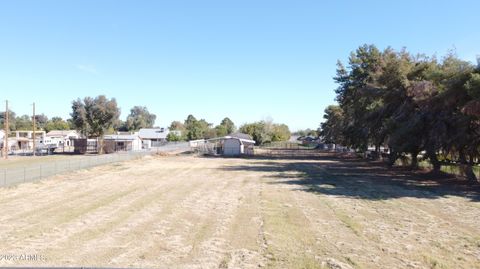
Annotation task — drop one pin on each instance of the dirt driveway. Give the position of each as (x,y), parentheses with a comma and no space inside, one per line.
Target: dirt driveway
(192,212)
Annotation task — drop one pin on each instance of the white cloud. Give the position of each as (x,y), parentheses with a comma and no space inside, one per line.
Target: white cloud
(87,68)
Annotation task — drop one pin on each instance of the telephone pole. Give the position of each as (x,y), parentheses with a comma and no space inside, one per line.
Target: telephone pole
(34,129)
(5,123)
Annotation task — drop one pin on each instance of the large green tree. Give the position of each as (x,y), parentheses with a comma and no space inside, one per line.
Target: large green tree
(57,123)
(41,121)
(23,123)
(332,127)
(280,132)
(225,127)
(138,118)
(197,129)
(257,131)
(94,116)
(266,131)
(410,104)
(11,120)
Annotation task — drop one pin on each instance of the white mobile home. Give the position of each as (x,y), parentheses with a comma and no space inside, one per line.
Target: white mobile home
(61,138)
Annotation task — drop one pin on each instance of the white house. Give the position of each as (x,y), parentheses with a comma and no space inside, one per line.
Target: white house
(153,137)
(61,138)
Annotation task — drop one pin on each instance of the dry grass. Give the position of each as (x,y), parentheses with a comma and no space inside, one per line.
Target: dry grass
(191,212)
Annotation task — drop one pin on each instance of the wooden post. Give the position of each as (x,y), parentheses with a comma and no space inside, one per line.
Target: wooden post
(34,128)
(5,123)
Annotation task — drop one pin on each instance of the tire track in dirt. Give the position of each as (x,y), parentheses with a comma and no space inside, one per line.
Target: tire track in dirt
(198,238)
(245,233)
(203,217)
(190,212)
(89,218)
(103,223)
(74,182)
(388,232)
(143,226)
(53,205)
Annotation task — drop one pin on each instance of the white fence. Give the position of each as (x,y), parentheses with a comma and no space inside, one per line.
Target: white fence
(33,172)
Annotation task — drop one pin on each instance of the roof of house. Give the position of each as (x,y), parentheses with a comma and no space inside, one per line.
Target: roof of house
(241,136)
(153,133)
(121,137)
(307,138)
(61,132)
(242,140)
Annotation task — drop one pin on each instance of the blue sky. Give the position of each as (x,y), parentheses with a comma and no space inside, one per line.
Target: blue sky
(248,60)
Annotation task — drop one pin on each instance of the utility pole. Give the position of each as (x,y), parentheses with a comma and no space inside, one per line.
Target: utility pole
(34,129)
(5,145)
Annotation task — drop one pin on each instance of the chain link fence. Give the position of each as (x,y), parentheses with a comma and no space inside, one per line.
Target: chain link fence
(15,175)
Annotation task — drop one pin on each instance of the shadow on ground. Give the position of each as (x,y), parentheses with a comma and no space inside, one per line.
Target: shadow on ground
(355,178)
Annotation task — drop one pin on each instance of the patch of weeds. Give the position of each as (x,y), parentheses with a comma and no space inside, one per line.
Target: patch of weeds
(199,236)
(224,262)
(350,261)
(438,245)
(348,222)
(307,262)
(70,215)
(433,263)
(118,166)
(474,241)
(345,219)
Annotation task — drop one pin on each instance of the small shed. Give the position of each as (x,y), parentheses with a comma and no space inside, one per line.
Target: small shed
(237,144)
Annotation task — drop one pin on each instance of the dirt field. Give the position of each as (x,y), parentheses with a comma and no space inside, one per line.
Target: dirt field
(192,212)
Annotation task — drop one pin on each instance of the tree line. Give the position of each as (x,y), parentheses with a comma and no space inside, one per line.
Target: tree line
(414,105)
(95,117)
(91,116)
(25,122)
(192,129)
